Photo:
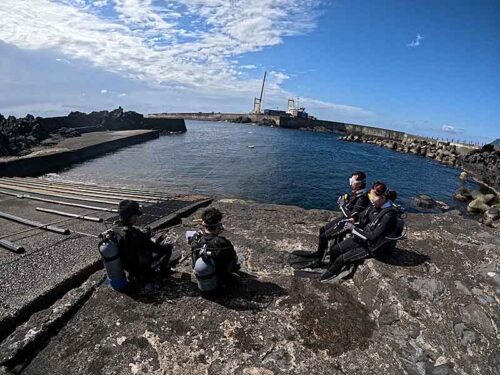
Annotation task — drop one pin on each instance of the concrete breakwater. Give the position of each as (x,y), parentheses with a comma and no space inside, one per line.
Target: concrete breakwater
(117,119)
(19,135)
(72,150)
(31,146)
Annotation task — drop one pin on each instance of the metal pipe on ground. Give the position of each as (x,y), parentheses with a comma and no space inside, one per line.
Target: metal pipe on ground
(35,228)
(68,214)
(62,203)
(142,192)
(76,191)
(37,191)
(11,246)
(31,223)
(84,234)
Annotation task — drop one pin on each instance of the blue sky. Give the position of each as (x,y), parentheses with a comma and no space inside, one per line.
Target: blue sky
(425,67)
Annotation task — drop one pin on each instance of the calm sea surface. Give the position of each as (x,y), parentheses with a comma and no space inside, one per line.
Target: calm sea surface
(284,166)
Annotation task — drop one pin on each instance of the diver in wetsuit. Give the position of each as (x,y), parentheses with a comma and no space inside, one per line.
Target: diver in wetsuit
(142,258)
(351,205)
(373,234)
(213,256)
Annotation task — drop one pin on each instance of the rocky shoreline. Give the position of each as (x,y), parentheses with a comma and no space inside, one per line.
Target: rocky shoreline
(443,152)
(19,135)
(481,165)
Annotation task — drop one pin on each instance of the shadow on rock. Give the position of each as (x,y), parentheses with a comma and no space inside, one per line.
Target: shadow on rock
(403,258)
(250,294)
(166,290)
(330,318)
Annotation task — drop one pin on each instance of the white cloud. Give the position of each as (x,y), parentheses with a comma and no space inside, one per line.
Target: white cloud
(100,3)
(63,61)
(451,129)
(182,45)
(145,42)
(104,91)
(278,77)
(416,41)
(337,109)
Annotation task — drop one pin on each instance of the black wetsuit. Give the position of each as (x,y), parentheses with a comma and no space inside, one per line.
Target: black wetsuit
(351,208)
(221,251)
(369,237)
(139,254)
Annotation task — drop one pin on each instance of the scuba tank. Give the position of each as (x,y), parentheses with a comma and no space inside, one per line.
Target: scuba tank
(108,248)
(204,270)
(203,266)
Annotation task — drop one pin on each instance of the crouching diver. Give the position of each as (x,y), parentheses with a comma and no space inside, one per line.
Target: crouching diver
(378,229)
(351,205)
(213,256)
(134,251)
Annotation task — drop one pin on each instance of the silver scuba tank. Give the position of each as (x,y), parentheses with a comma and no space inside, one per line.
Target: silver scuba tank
(204,270)
(113,263)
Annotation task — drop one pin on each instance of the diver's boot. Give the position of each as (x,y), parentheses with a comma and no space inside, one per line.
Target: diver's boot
(327,275)
(316,263)
(332,271)
(309,254)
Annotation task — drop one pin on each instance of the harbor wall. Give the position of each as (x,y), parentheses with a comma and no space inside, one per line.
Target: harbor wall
(97,121)
(171,125)
(310,124)
(217,116)
(45,163)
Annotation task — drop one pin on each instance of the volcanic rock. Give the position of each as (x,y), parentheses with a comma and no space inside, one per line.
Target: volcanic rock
(399,313)
(477,206)
(463,195)
(492,213)
(424,201)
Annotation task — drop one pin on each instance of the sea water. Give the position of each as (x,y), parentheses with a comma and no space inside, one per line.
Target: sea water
(264,164)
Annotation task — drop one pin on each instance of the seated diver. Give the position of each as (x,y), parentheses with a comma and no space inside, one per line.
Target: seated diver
(143,259)
(351,205)
(376,231)
(213,256)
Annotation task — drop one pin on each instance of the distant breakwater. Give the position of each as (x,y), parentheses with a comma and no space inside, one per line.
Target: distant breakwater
(309,124)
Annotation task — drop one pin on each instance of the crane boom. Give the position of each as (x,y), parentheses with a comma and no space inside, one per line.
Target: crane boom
(262,91)
(257,103)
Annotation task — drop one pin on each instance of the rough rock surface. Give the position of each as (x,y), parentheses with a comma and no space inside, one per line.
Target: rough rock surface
(117,119)
(18,135)
(430,307)
(424,201)
(484,164)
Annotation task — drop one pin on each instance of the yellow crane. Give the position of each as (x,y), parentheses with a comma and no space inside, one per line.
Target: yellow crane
(257,102)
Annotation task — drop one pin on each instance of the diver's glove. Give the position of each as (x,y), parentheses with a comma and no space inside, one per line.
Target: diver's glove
(342,199)
(348,226)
